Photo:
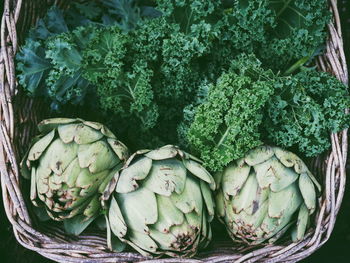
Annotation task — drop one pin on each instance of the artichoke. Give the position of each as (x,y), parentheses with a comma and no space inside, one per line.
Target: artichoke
(70,164)
(263,194)
(162,203)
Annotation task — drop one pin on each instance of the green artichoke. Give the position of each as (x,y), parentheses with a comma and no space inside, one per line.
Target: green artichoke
(263,194)
(70,164)
(162,203)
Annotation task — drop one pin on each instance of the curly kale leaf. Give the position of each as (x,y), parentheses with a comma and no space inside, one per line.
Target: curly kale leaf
(279,32)
(227,124)
(33,67)
(65,82)
(305,109)
(124,90)
(300,30)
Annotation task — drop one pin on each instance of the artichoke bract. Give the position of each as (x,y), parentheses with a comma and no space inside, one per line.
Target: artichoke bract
(263,194)
(70,163)
(162,203)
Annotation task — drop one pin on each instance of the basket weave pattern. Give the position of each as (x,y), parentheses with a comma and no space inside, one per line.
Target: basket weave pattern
(19,116)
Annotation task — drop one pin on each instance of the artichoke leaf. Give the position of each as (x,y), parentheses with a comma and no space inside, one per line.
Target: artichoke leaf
(97,156)
(168,215)
(199,171)
(40,146)
(285,176)
(220,203)
(79,133)
(119,149)
(59,155)
(90,182)
(71,173)
(128,178)
(247,195)
(93,208)
(208,199)
(33,186)
(286,158)
(190,199)
(139,209)
(265,174)
(218,179)
(143,241)
(259,155)
(164,241)
(117,223)
(113,242)
(285,202)
(166,176)
(233,179)
(50,124)
(307,190)
(76,225)
(194,220)
(303,220)
(163,153)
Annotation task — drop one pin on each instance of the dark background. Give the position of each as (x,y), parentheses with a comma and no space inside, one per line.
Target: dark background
(335,250)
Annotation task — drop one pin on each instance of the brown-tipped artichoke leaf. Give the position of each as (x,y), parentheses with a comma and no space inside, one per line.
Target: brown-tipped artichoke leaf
(129,176)
(284,176)
(96,156)
(138,214)
(166,177)
(113,242)
(285,202)
(233,179)
(166,152)
(90,182)
(164,241)
(190,199)
(48,125)
(107,180)
(199,171)
(286,158)
(143,241)
(117,222)
(302,223)
(258,155)
(60,155)
(194,220)
(119,149)
(168,215)
(307,189)
(40,146)
(265,174)
(208,199)
(79,133)
(246,196)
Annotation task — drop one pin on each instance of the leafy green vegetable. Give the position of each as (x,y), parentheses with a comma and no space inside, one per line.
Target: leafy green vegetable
(305,108)
(227,124)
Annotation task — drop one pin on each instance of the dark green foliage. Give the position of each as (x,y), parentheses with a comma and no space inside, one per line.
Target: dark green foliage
(305,109)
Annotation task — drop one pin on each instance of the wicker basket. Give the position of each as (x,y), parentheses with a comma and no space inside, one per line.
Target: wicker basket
(19,116)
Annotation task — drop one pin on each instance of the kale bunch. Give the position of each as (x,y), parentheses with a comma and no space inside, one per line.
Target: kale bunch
(249,106)
(228,123)
(304,110)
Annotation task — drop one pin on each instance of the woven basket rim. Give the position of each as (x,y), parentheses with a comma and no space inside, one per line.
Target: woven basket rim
(93,247)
